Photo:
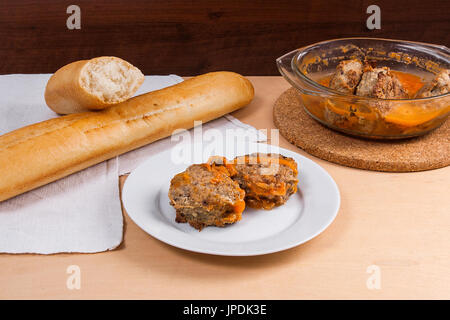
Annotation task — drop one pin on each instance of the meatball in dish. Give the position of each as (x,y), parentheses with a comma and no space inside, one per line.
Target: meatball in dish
(380,83)
(439,85)
(347,76)
(267,179)
(205,195)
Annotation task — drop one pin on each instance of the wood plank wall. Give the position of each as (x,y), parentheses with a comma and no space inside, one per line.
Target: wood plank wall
(191,37)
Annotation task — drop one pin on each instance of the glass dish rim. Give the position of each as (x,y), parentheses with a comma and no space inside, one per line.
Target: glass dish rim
(343,95)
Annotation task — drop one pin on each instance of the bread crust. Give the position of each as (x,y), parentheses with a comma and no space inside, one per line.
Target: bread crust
(44,152)
(65,94)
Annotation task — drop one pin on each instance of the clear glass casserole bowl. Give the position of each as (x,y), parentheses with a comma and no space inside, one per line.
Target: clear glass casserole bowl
(307,69)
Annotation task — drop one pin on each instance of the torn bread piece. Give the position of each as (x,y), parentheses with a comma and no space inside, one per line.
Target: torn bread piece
(92,85)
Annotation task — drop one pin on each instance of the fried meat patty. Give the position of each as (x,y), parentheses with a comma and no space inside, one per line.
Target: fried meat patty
(267,179)
(205,195)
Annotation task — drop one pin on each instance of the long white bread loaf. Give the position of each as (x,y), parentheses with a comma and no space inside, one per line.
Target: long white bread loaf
(44,152)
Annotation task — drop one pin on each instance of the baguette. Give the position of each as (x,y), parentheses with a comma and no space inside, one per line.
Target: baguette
(44,152)
(92,85)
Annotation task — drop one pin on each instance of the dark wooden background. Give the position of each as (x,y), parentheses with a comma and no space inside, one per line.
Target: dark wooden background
(191,37)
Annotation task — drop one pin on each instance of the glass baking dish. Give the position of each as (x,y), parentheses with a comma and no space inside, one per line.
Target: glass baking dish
(307,69)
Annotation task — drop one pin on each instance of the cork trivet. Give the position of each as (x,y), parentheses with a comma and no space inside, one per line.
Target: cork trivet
(430,151)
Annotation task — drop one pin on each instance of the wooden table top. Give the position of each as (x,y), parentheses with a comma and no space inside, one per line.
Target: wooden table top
(394,223)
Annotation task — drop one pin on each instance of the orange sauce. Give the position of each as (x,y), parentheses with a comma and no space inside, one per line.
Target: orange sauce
(325,81)
(410,82)
(239,206)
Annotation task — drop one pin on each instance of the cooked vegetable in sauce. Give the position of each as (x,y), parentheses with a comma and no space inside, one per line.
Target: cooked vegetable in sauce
(382,116)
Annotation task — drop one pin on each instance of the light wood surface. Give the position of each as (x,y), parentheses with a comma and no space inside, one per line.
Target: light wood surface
(399,222)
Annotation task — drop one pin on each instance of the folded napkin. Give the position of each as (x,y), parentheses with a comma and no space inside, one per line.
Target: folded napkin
(82,212)
(228,127)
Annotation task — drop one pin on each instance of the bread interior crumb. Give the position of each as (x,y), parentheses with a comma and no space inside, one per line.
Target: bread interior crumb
(111,80)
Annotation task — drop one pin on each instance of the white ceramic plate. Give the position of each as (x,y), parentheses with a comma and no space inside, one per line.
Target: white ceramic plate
(306,214)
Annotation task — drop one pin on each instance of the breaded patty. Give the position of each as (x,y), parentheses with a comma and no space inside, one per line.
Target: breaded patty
(267,179)
(347,76)
(205,195)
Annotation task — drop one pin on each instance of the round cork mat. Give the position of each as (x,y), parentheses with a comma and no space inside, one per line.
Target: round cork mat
(430,151)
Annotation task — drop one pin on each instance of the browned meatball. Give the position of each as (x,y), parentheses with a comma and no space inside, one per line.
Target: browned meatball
(205,195)
(347,76)
(380,83)
(439,85)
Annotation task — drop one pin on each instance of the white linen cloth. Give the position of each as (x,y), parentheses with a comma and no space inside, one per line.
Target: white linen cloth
(82,212)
